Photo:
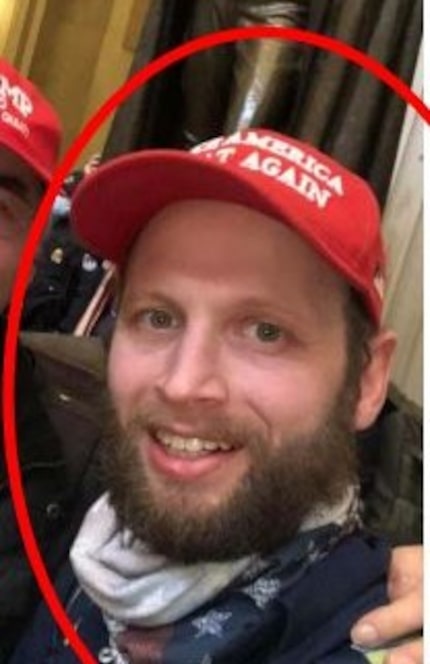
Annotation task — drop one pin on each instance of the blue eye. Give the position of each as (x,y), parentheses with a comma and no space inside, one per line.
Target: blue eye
(268,332)
(158,319)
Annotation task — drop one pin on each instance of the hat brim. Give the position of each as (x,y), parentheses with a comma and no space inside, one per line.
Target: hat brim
(112,206)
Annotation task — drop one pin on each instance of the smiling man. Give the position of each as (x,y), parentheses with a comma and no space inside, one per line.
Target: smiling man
(248,351)
(239,405)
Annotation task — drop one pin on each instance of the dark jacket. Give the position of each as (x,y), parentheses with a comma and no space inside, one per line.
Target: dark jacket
(65,279)
(308,623)
(391,471)
(58,383)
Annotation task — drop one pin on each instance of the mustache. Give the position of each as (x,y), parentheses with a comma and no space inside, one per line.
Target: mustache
(217,428)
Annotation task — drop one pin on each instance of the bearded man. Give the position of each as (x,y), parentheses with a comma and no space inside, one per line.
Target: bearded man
(248,352)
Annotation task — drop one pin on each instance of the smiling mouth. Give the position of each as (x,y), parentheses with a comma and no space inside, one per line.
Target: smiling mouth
(190,446)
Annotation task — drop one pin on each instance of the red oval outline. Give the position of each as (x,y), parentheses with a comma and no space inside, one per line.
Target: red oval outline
(119,96)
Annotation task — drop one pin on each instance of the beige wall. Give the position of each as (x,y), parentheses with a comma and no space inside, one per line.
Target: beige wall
(23,31)
(403,227)
(8,15)
(66,56)
(77,51)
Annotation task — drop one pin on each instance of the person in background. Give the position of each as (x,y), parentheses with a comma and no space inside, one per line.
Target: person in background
(66,277)
(55,381)
(247,353)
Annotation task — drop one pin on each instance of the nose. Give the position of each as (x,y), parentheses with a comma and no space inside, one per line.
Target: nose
(193,371)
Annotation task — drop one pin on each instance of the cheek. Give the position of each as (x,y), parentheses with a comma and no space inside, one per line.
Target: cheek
(129,373)
(290,397)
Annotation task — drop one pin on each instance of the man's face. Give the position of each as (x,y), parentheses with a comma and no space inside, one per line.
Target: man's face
(227,373)
(20,192)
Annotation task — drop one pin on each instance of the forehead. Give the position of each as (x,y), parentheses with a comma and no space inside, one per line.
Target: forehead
(215,242)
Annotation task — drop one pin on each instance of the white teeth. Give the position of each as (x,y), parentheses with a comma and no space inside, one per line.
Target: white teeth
(190,445)
(225,447)
(211,446)
(193,445)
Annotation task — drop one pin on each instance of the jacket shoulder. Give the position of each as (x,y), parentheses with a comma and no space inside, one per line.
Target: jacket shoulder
(85,354)
(391,461)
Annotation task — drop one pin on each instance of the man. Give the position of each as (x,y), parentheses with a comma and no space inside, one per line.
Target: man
(30,135)
(248,351)
(54,381)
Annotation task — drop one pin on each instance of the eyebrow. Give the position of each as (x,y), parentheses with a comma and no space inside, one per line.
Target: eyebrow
(151,297)
(267,306)
(297,319)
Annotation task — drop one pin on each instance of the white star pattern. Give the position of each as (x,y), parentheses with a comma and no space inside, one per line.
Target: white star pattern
(263,591)
(212,623)
(207,659)
(255,569)
(110,655)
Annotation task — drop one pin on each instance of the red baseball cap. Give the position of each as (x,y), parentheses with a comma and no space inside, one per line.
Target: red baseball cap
(333,209)
(29,126)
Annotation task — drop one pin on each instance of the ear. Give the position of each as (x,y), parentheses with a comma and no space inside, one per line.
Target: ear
(374,379)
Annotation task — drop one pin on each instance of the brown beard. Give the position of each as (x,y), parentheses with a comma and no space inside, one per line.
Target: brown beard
(266,509)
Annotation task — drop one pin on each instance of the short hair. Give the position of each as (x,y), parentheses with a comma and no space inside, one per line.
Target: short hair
(360,329)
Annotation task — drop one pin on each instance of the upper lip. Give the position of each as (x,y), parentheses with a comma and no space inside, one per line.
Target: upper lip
(186,432)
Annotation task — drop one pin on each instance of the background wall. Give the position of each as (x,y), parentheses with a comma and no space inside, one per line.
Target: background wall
(403,230)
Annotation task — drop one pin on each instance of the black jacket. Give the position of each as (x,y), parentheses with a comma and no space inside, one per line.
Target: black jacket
(391,464)
(57,389)
(65,279)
